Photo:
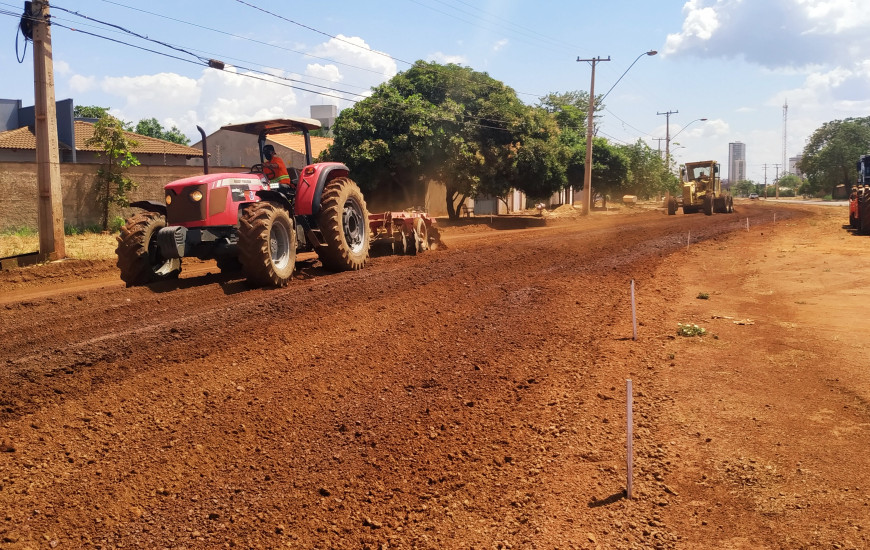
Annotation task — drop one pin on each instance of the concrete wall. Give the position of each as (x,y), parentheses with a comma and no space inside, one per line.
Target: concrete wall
(18,207)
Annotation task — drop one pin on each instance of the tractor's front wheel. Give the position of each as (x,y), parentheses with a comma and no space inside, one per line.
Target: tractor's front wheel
(344,224)
(139,257)
(672,206)
(267,244)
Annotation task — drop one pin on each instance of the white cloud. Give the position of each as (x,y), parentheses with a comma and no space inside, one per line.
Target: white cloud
(329,73)
(80,83)
(444,58)
(773,33)
(61,68)
(500,44)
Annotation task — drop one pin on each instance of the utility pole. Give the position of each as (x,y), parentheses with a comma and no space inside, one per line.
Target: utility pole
(660,140)
(765,180)
(668,137)
(50,210)
(587,175)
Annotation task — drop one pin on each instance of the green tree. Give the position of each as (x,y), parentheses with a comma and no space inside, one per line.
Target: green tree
(610,168)
(151,127)
(113,185)
(743,188)
(571,109)
(90,111)
(830,155)
(647,174)
(451,124)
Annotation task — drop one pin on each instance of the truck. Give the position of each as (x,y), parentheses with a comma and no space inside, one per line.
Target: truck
(245,221)
(701,190)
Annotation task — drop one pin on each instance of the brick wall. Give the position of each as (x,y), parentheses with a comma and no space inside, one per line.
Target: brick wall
(18,195)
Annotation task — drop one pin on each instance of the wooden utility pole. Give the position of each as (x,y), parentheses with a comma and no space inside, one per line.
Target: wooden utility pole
(50,211)
(587,175)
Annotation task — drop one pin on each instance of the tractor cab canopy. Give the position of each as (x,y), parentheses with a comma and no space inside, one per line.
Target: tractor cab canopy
(262,128)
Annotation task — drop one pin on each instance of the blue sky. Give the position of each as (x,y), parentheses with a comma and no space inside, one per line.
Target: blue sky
(733,62)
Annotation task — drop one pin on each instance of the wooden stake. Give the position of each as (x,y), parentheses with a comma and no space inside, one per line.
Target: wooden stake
(633,313)
(629,443)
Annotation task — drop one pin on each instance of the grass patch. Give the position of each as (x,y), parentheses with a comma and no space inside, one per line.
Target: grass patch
(703,296)
(690,330)
(84,245)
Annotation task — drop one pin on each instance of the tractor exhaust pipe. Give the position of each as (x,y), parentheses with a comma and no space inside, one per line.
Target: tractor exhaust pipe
(204,150)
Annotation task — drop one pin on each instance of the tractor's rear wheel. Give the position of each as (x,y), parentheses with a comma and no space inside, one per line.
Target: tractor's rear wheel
(708,205)
(344,224)
(267,244)
(730,204)
(139,257)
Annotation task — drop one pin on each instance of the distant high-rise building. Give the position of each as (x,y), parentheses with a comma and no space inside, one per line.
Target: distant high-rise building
(736,162)
(792,166)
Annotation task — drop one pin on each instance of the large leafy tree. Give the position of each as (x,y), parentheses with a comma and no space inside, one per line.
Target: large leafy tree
(446,123)
(830,155)
(113,185)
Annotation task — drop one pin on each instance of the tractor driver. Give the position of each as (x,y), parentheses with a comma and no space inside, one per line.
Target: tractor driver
(274,167)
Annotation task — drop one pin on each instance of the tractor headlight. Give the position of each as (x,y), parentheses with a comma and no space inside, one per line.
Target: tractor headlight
(168,200)
(196,196)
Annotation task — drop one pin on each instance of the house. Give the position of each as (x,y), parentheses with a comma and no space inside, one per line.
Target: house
(18,139)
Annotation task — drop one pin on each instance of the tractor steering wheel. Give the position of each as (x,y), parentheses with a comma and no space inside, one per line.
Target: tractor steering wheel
(257,168)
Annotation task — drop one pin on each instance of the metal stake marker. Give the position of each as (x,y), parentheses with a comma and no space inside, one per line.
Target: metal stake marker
(633,314)
(688,239)
(629,449)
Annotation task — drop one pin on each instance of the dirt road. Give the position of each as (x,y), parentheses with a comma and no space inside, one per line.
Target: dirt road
(472,397)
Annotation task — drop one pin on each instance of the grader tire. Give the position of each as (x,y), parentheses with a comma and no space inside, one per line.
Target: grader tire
(672,206)
(267,244)
(708,205)
(344,223)
(139,258)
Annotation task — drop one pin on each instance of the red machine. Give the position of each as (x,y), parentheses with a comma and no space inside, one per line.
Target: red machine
(243,221)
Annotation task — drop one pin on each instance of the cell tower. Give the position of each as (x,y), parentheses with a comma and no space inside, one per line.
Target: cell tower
(784,136)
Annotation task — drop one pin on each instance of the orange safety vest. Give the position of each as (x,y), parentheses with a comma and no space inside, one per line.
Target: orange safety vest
(276,170)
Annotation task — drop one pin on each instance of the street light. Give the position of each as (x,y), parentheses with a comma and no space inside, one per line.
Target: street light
(587,176)
(669,137)
(650,53)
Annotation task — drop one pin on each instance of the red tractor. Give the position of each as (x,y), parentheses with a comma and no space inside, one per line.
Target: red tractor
(241,220)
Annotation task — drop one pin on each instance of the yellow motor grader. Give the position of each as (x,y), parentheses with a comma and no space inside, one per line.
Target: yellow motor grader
(702,191)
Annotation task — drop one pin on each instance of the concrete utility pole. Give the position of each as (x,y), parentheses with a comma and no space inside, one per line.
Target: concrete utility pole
(50,211)
(668,137)
(765,180)
(660,140)
(587,175)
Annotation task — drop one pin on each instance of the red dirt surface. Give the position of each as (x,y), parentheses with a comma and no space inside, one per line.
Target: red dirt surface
(470,397)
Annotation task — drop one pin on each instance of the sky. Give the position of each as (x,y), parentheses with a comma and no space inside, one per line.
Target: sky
(735,63)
